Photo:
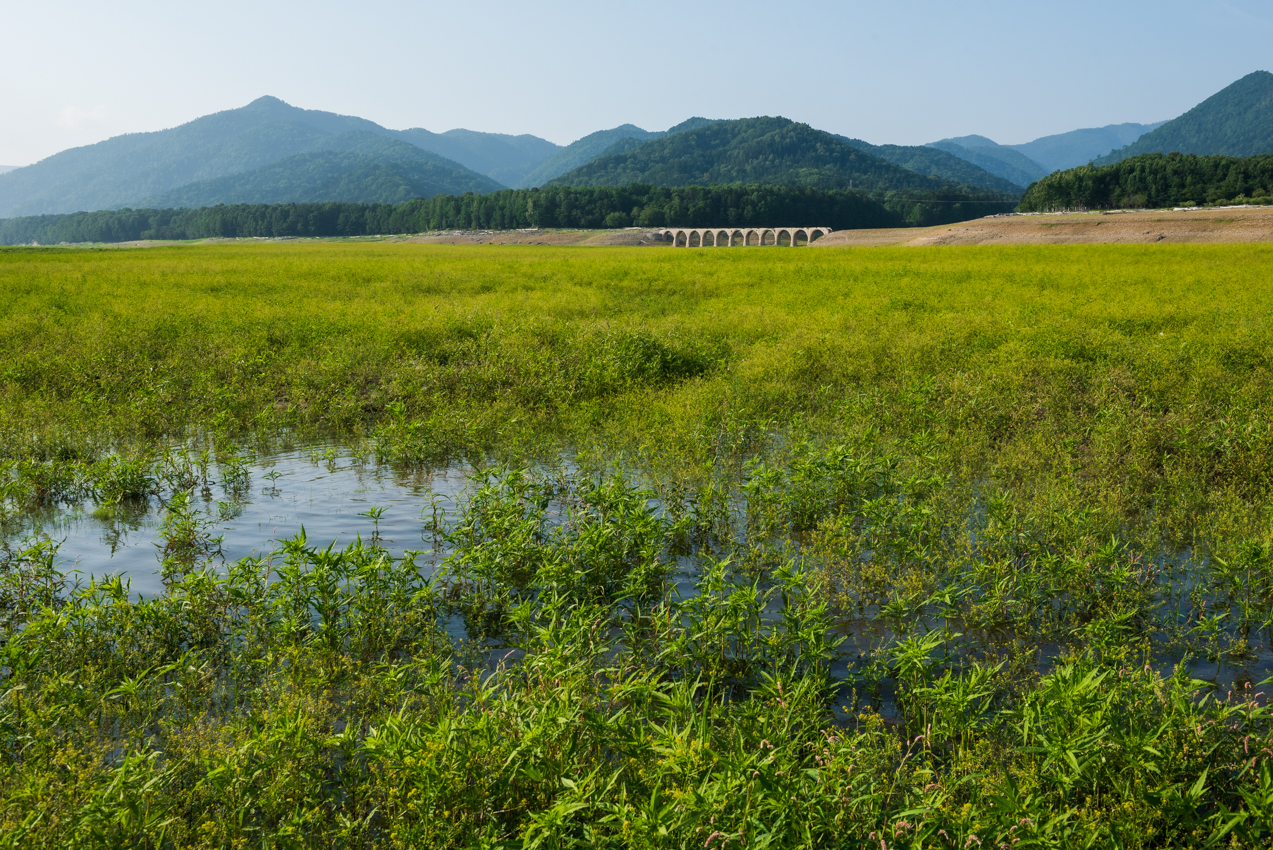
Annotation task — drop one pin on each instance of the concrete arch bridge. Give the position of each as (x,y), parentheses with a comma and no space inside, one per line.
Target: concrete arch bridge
(718,237)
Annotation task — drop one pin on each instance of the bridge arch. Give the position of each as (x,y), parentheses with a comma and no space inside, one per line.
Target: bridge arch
(701,237)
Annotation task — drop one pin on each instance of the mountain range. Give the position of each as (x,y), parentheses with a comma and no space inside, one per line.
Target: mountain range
(1024,164)
(127,170)
(272,152)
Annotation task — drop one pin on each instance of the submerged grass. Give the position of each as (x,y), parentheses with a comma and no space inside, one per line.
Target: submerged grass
(882,548)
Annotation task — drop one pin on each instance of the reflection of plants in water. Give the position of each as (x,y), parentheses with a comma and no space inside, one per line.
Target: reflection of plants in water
(272,476)
(184,536)
(327,457)
(30,581)
(583,670)
(236,476)
(229,510)
(374,513)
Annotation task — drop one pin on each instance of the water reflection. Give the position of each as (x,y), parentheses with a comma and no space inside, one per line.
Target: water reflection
(325,495)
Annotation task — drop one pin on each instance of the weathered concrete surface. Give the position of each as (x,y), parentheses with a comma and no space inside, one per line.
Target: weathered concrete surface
(717,237)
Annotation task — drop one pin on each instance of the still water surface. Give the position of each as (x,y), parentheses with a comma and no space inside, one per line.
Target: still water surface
(327,499)
(327,496)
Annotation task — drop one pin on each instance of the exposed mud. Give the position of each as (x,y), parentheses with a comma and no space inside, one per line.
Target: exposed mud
(1251,224)
(541,237)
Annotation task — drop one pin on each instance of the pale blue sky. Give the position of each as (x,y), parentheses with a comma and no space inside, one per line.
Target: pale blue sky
(889,72)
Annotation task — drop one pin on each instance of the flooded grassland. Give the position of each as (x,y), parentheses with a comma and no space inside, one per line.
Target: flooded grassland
(408,545)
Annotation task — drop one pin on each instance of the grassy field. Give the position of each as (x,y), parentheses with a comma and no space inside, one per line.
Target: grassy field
(974,547)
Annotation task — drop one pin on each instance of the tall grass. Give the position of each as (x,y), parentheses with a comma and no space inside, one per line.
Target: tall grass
(856,548)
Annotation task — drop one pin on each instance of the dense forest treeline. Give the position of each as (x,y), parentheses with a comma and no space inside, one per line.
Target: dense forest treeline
(553,207)
(1155,180)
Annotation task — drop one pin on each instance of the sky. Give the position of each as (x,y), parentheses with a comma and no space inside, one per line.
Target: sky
(894,72)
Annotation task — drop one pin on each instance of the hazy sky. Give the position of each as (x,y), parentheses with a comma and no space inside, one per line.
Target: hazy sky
(897,72)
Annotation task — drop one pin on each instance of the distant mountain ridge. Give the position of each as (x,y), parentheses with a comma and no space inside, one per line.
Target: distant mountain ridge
(997,159)
(1236,121)
(4,168)
(1079,147)
(356,167)
(127,169)
(601,143)
(1026,163)
(940,164)
(505,159)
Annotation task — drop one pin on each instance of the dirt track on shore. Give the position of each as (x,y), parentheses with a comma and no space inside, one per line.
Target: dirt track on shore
(598,238)
(1253,224)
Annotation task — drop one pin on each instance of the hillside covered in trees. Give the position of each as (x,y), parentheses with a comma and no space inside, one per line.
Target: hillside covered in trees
(554,207)
(772,151)
(995,158)
(1236,121)
(129,169)
(353,168)
(1155,180)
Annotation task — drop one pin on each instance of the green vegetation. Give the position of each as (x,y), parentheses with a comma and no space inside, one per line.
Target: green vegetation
(857,549)
(1155,180)
(769,151)
(594,207)
(1236,121)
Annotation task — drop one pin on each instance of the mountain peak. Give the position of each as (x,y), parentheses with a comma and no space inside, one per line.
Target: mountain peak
(1235,121)
(970,142)
(268,101)
(690,124)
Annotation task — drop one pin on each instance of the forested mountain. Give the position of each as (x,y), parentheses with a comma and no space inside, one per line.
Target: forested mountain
(581,152)
(125,169)
(759,151)
(4,168)
(1155,181)
(997,159)
(356,167)
(1236,121)
(938,163)
(595,145)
